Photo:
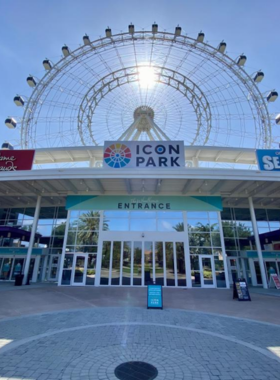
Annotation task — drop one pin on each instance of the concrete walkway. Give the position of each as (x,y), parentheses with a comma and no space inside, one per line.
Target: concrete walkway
(50,332)
(34,299)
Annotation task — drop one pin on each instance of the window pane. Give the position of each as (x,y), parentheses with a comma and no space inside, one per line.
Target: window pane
(143,224)
(116,225)
(79,269)
(200,240)
(137,263)
(126,270)
(170,214)
(198,225)
(116,214)
(173,225)
(148,259)
(68,261)
(87,238)
(200,251)
(181,268)
(90,279)
(170,273)
(216,240)
(116,262)
(143,214)
(104,279)
(159,263)
(197,214)
(195,271)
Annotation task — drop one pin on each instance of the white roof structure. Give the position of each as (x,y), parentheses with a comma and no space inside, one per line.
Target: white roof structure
(234,185)
(244,156)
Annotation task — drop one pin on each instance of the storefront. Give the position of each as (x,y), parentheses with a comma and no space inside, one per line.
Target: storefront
(161,244)
(176,226)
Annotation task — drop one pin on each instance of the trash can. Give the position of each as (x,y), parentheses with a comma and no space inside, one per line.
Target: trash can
(18,279)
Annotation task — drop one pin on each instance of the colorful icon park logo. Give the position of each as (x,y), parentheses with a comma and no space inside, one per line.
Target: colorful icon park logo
(117,155)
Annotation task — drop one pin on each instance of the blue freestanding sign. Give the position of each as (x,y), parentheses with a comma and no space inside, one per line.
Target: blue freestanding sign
(268,159)
(154,297)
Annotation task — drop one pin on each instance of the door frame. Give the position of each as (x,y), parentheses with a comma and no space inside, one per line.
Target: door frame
(73,283)
(203,285)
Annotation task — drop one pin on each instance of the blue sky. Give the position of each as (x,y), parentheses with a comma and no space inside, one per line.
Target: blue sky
(35,29)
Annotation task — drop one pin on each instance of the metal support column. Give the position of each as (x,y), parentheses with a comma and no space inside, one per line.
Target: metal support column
(64,248)
(224,251)
(32,237)
(257,240)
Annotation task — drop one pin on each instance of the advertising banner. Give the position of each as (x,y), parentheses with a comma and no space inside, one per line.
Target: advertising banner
(143,154)
(14,160)
(268,159)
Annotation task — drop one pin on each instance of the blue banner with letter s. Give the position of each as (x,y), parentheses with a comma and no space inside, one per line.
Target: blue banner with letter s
(268,159)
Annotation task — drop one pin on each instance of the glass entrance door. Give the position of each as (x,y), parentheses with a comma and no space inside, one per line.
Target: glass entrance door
(79,270)
(140,263)
(207,271)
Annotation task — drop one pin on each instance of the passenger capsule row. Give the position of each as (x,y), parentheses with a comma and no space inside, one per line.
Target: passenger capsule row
(32,82)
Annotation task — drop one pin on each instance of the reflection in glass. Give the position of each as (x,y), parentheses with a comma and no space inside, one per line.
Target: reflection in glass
(116,262)
(126,269)
(67,269)
(258,272)
(220,273)
(181,268)
(216,240)
(207,271)
(200,240)
(197,214)
(148,254)
(6,269)
(173,225)
(142,214)
(170,214)
(159,263)
(68,261)
(104,278)
(91,264)
(79,269)
(116,214)
(85,237)
(137,263)
(200,251)
(143,225)
(170,273)
(195,272)
(71,237)
(18,267)
(116,225)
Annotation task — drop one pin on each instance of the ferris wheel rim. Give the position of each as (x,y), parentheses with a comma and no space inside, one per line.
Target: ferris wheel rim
(203,47)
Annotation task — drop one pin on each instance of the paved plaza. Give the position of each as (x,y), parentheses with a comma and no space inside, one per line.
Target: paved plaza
(91,340)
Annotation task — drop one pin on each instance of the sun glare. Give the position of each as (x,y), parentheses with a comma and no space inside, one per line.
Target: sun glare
(146,76)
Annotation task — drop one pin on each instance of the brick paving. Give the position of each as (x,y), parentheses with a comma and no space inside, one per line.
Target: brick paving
(90,343)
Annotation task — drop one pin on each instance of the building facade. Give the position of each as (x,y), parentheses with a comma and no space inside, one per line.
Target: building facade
(191,226)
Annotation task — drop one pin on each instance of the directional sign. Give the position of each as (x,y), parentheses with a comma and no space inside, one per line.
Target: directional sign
(154,297)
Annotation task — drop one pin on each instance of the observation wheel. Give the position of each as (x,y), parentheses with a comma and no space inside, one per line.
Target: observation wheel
(145,85)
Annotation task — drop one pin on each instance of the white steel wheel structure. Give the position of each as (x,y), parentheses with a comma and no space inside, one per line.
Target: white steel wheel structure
(146,85)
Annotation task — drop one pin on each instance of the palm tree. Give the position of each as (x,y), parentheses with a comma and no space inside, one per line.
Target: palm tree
(88,227)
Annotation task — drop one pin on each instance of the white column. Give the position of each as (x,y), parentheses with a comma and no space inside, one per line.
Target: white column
(31,241)
(223,250)
(195,162)
(64,248)
(92,162)
(257,240)
(187,251)
(99,251)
